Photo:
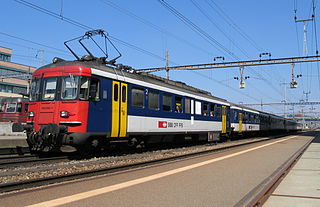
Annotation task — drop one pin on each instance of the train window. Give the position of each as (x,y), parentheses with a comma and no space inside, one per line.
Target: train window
(94,90)
(246,116)
(236,115)
(154,100)
(49,88)
(198,107)
(211,110)
(11,107)
(35,90)
(217,111)
(166,102)
(178,104)
(69,87)
(137,96)
(84,88)
(124,94)
(205,109)
(116,92)
(187,105)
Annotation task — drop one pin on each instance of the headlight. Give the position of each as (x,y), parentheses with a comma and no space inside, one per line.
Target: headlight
(64,114)
(30,114)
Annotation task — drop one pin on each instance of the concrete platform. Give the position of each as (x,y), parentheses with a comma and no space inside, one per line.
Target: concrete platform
(301,187)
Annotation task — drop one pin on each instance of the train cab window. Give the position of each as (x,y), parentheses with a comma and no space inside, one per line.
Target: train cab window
(84,88)
(205,109)
(11,107)
(166,102)
(35,90)
(69,87)
(154,98)
(137,96)
(178,104)
(187,106)
(49,88)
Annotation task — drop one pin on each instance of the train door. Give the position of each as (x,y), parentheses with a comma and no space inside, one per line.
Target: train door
(224,120)
(119,109)
(240,122)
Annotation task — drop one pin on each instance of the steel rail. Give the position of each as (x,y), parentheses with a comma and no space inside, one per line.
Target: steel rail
(19,161)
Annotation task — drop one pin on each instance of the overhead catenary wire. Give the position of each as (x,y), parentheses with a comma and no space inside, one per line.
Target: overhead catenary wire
(231,23)
(111,37)
(137,48)
(218,27)
(29,41)
(85,27)
(208,38)
(35,49)
(146,22)
(155,27)
(238,47)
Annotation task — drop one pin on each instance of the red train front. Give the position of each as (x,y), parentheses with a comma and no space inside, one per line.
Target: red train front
(59,103)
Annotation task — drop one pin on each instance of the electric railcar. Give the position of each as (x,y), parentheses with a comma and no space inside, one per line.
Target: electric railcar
(77,105)
(13,109)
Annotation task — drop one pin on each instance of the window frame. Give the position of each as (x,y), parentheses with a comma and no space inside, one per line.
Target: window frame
(133,104)
(63,87)
(169,96)
(45,81)
(149,100)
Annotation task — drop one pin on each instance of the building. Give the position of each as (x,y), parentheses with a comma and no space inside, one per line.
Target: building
(14,78)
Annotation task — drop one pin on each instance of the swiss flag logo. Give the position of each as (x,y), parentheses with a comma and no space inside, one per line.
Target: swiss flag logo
(162,124)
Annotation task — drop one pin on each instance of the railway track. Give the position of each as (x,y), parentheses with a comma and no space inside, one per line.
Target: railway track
(22,184)
(10,161)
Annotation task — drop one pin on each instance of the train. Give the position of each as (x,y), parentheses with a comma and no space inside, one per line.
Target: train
(13,109)
(91,104)
(86,105)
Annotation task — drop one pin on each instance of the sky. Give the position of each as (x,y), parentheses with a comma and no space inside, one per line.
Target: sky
(142,30)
